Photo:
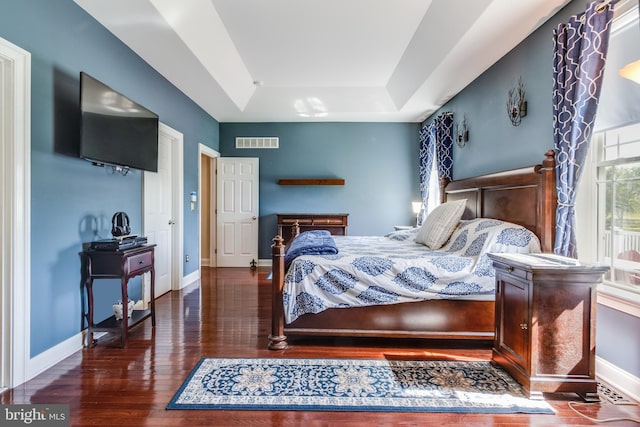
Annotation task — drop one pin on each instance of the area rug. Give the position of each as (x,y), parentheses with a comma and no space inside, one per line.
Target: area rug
(353,385)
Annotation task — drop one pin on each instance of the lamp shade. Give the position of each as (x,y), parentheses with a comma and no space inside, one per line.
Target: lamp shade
(631,71)
(417,207)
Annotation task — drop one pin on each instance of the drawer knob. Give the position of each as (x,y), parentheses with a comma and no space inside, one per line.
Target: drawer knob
(141,262)
(523,326)
(509,269)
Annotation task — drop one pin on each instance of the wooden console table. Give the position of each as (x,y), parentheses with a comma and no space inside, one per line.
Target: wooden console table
(336,223)
(125,264)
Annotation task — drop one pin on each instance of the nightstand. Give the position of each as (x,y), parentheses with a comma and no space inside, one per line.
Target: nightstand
(545,333)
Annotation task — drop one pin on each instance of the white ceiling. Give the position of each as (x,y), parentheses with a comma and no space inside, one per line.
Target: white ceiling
(321,60)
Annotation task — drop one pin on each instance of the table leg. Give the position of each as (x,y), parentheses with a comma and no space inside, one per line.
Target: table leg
(153,297)
(89,286)
(125,312)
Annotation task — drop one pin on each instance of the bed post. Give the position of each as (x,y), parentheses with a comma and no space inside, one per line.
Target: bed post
(277,339)
(443,194)
(547,202)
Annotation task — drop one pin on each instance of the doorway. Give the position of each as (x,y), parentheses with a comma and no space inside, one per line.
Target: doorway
(207,192)
(163,213)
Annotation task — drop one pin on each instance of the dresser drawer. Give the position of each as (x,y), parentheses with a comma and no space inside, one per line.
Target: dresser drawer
(300,221)
(328,221)
(139,262)
(513,271)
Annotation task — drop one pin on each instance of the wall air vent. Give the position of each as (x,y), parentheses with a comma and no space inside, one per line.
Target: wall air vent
(257,142)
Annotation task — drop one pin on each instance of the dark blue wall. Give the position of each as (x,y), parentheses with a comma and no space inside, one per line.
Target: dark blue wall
(68,193)
(379,162)
(497,145)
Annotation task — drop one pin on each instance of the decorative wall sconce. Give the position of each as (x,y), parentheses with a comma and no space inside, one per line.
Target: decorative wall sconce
(517,104)
(462,132)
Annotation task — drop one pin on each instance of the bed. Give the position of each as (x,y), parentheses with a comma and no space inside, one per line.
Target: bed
(524,197)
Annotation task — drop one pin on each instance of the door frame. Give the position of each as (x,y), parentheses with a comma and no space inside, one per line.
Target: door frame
(177,208)
(15,279)
(207,151)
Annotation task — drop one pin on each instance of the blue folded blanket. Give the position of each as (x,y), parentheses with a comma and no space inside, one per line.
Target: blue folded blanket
(313,242)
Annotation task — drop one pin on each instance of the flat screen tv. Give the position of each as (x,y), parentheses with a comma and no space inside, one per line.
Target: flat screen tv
(115,130)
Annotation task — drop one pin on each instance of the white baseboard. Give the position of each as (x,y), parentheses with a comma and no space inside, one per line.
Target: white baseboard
(55,354)
(619,378)
(66,348)
(190,278)
(205,262)
(264,263)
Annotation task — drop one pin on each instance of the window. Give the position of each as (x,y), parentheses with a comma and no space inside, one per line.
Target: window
(608,199)
(617,171)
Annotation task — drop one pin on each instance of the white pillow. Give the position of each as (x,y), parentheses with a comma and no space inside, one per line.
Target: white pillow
(440,224)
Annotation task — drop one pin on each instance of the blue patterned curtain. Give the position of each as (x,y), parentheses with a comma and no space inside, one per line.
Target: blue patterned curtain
(436,140)
(580,50)
(427,137)
(444,145)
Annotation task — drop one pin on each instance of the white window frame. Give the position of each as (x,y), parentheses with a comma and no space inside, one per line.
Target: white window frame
(613,295)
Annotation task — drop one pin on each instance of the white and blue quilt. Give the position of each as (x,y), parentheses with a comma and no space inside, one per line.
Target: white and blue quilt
(374,270)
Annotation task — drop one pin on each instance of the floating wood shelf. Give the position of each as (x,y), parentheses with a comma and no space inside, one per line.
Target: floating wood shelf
(312,181)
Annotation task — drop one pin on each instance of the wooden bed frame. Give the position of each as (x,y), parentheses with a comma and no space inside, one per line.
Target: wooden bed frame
(525,196)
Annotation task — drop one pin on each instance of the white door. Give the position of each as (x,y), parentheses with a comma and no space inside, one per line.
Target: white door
(158,221)
(237,205)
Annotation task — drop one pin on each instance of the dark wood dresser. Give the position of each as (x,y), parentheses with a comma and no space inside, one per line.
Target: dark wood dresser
(545,334)
(335,223)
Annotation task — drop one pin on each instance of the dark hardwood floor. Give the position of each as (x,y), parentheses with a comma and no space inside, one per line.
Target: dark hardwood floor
(227,315)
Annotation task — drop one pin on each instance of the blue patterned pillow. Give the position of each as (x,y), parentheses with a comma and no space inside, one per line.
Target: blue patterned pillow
(409,234)
(515,239)
(479,236)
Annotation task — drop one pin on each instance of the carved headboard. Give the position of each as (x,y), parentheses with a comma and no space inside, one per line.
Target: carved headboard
(525,196)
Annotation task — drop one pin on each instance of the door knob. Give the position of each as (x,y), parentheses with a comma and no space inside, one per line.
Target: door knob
(254,218)
(171,222)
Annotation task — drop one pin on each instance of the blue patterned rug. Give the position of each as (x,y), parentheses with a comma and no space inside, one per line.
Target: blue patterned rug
(353,385)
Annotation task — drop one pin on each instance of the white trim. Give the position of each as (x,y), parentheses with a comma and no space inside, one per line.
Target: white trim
(619,299)
(625,14)
(177,239)
(265,262)
(190,278)
(619,378)
(210,259)
(55,354)
(15,276)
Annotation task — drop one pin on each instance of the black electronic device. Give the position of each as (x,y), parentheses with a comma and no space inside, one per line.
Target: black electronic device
(116,130)
(118,244)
